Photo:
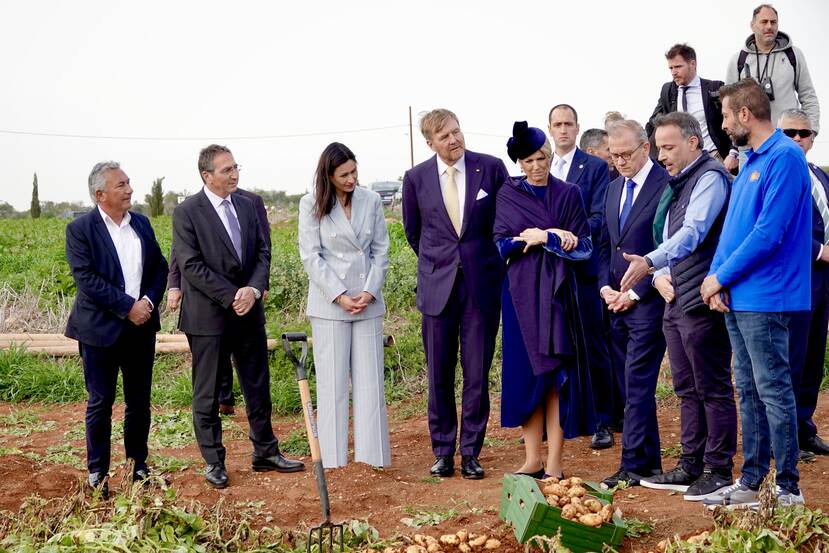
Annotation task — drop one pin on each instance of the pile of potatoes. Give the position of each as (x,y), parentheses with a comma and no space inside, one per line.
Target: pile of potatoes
(570,495)
(463,541)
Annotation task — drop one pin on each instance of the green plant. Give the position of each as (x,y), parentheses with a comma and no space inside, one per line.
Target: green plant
(295,443)
(637,528)
(23,423)
(420,518)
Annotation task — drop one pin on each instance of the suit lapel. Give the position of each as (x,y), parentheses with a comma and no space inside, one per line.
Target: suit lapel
(703,89)
(614,198)
(643,199)
(474,176)
(106,239)
(210,214)
(341,221)
(576,167)
(248,240)
(358,212)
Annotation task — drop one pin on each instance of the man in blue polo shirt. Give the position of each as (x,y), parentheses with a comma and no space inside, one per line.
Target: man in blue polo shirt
(760,277)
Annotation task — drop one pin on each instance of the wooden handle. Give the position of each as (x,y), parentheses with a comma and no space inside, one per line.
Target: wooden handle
(310,421)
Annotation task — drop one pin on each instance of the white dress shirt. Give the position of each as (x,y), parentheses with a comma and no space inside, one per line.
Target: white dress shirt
(460,181)
(216,202)
(129,249)
(559,169)
(696,108)
(639,178)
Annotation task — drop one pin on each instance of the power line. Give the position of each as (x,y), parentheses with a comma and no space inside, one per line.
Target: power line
(195,138)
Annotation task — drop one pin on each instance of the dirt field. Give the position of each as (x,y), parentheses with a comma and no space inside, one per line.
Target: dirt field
(386,497)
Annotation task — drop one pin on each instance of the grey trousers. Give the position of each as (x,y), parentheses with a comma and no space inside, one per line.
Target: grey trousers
(343,351)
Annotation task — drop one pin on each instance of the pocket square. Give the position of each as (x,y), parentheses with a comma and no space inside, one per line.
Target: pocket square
(481,194)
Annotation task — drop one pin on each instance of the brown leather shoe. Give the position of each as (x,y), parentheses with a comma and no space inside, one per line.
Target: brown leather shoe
(226,410)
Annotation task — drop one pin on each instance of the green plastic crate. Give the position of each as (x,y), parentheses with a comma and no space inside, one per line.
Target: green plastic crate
(524,507)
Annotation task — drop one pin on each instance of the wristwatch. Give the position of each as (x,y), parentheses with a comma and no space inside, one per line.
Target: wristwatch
(256,293)
(651,268)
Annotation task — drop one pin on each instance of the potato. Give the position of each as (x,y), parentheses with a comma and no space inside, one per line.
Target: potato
(492,544)
(478,541)
(416,549)
(576,491)
(563,501)
(591,519)
(449,539)
(576,481)
(566,482)
(433,548)
(555,489)
(607,512)
(462,535)
(593,504)
(569,512)
(420,539)
(553,499)
(550,480)
(464,548)
(699,539)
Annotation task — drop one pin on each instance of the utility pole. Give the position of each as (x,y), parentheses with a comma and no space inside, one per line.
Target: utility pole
(411,138)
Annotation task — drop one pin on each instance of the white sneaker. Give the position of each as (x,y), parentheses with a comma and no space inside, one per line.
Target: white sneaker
(788,499)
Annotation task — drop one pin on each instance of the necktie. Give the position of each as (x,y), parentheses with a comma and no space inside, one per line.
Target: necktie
(450,199)
(628,205)
(235,229)
(820,203)
(559,171)
(684,90)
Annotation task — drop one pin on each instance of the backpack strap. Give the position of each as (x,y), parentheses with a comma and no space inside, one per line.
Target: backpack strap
(741,63)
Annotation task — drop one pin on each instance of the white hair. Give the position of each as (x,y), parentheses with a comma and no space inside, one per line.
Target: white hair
(97,177)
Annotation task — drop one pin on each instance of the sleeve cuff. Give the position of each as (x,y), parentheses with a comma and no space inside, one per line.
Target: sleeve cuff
(152,305)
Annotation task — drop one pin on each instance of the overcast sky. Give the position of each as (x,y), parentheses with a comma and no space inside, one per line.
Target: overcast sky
(178,75)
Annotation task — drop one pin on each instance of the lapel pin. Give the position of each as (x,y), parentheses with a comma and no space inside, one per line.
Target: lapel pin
(477,170)
(581,166)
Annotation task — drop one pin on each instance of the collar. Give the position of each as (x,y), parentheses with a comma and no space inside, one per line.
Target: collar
(215,200)
(690,166)
(695,83)
(108,220)
(460,165)
(640,177)
(773,139)
(568,157)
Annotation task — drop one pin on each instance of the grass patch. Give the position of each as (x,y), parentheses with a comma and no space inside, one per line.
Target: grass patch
(429,480)
(173,429)
(295,443)
(420,518)
(163,464)
(23,423)
(637,528)
(672,452)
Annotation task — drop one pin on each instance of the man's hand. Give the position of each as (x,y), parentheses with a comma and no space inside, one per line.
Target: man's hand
(637,270)
(719,302)
(139,312)
(665,286)
(730,163)
(623,303)
(609,295)
(173,299)
(710,286)
(243,300)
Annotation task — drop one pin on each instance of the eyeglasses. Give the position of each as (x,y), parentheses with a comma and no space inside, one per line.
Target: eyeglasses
(626,155)
(228,170)
(802,133)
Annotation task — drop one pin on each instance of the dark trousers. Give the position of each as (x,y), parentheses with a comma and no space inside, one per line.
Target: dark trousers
(639,346)
(249,347)
(807,350)
(603,382)
(226,383)
(133,352)
(461,320)
(700,355)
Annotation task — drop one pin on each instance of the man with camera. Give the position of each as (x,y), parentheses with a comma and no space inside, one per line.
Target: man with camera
(770,58)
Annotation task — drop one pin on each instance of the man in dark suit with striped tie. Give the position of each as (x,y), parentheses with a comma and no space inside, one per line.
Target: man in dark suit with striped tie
(807,343)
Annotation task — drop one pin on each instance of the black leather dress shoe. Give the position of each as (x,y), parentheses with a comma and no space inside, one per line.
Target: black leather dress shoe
(471,469)
(141,474)
(96,482)
(617,427)
(602,439)
(444,466)
(216,476)
(816,445)
(278,463)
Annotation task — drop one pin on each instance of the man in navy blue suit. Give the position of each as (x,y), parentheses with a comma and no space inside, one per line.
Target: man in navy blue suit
(591,175)
(638,344)
(807,342)
(120,276)
(448,213)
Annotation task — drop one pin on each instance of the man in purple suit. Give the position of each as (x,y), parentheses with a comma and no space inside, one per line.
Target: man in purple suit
(807,341)
(448,213)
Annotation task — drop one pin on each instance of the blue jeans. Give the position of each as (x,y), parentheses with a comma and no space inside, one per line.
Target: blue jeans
(764,388)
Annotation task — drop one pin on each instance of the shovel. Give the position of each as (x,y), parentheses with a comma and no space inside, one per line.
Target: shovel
(327,534)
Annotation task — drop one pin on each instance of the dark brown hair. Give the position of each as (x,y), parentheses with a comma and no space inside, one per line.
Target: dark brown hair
(207,155)
(686,52)
(334,155)
(747,93)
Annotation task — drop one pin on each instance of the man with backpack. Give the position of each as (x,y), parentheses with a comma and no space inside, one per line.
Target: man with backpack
(770,58)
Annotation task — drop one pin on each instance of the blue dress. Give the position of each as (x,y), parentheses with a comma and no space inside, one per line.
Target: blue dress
(523,391)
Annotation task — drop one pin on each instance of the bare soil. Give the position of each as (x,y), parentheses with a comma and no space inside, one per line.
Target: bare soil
(385,497)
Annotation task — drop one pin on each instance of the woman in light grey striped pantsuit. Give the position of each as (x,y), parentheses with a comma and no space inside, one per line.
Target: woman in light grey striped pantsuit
(344,245)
